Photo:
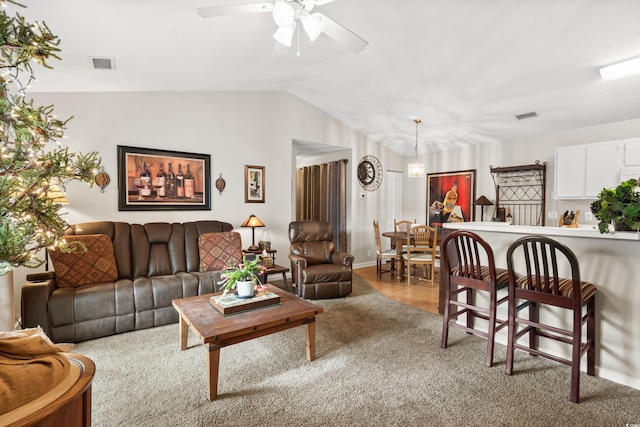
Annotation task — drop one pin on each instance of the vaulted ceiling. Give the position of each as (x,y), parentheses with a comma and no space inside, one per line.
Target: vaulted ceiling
(465,67)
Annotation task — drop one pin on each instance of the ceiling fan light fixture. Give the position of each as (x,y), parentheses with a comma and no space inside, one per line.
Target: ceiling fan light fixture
(284,35)
(312,25)
(283,14)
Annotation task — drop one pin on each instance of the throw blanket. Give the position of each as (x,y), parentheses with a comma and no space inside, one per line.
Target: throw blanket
(29,366)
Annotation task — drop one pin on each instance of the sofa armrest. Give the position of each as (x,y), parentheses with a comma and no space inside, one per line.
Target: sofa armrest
(35,303)
(39,277)
(342,258)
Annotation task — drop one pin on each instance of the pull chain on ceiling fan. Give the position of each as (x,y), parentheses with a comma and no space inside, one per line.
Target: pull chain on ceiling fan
(287,14)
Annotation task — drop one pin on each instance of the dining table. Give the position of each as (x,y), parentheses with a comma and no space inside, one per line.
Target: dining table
(398,240)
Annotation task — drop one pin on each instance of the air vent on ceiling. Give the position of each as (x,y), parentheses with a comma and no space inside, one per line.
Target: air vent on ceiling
(527,115)
(103,63)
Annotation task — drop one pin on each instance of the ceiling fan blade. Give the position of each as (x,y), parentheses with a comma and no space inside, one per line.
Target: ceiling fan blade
(234,9)
(342,35)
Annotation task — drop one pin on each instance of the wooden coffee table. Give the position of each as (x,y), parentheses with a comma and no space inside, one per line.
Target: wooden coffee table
(217,331)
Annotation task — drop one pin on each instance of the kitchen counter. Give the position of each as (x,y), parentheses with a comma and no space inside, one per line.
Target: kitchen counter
(583,231)
(609,261)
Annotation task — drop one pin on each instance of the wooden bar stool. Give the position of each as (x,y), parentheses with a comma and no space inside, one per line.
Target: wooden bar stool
(540,286)
(463,254)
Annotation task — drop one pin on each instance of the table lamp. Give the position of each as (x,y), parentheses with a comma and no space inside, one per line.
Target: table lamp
(253,222)
(482,201)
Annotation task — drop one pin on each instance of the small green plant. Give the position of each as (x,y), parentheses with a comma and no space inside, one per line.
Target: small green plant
(243,272)
(619,206)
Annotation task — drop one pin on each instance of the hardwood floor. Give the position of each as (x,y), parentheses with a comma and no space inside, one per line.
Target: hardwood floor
(420,294)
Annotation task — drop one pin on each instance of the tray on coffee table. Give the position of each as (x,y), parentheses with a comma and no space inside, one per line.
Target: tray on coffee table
(230,303)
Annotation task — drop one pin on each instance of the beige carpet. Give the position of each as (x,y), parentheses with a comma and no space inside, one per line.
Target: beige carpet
(378,362)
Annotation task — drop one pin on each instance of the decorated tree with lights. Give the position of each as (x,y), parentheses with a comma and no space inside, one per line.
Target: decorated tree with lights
(32,161)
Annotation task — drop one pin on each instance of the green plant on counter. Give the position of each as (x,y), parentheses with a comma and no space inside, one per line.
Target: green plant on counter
(619,206)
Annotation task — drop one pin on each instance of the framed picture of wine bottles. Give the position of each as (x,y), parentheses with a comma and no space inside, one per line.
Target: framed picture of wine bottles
(450,196)
(150,179)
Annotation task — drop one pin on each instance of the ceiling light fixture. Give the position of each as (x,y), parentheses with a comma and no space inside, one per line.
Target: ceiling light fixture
(286,16)
(620,70)
(416,169)
(312,25)
(284,35)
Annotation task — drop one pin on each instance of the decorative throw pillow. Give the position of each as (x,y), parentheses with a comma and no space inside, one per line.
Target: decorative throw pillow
(219,250)
(79,268)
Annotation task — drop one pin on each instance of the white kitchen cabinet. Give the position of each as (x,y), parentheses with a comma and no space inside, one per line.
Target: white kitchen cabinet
(583,170)
(571,164)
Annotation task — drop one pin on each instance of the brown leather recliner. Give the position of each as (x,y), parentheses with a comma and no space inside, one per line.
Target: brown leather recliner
(318,271)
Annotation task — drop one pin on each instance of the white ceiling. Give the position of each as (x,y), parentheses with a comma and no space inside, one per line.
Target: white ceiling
(465,67)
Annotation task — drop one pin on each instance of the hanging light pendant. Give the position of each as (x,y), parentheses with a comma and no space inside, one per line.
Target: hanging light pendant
(416,169)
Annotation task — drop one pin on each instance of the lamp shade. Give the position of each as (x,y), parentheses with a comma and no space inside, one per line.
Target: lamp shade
(416,170)
(483,201)
(252,221)
(283,14)
(283,35)
(312,25)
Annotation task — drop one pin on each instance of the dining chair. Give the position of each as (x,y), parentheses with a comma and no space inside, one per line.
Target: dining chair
(402,226)
(468,267)
(381,255)
(542,286)
(422,251)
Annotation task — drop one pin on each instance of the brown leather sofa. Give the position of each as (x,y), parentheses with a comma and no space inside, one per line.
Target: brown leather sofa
(156,263)
(318,271)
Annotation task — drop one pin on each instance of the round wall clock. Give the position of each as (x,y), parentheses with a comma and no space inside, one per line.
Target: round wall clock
(370,173)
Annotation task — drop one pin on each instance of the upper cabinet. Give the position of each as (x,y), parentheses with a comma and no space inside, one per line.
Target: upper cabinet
(583,170)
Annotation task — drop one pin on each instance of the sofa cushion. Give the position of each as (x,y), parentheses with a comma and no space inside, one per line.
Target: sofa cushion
(219,250)
(78,268)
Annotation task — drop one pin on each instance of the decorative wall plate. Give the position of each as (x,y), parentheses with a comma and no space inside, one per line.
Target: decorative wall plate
(370,173)
(102,179)
(220,184)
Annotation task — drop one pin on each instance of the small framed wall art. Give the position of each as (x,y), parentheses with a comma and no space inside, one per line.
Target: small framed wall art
(150,179)
(254,183)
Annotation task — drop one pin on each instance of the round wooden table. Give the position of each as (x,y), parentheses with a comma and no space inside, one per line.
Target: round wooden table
(398,239)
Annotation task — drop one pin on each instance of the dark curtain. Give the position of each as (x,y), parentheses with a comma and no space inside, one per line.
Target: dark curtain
(321,195)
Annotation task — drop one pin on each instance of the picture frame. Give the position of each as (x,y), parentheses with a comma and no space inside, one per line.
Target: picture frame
(458,205)
(254,184)
(141,189)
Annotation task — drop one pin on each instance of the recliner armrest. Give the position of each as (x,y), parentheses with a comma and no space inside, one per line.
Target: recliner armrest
(300,260)
(342,258)
(35,301)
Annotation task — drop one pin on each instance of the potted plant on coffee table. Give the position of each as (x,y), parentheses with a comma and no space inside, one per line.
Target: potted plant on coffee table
(244,278)
(619,206)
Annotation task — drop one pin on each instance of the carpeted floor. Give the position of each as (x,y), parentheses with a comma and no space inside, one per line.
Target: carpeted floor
(378,363)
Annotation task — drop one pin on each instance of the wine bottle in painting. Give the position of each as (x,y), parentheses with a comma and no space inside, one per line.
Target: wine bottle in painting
(180,182)
(170,183)
(189,190)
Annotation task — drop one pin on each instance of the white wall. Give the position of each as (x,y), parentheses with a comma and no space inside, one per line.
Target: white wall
(236,129)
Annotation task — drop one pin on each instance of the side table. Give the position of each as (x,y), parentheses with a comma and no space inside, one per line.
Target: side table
(279,269)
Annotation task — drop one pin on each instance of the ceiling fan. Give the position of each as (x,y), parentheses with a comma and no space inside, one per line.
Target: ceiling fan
(287,14)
